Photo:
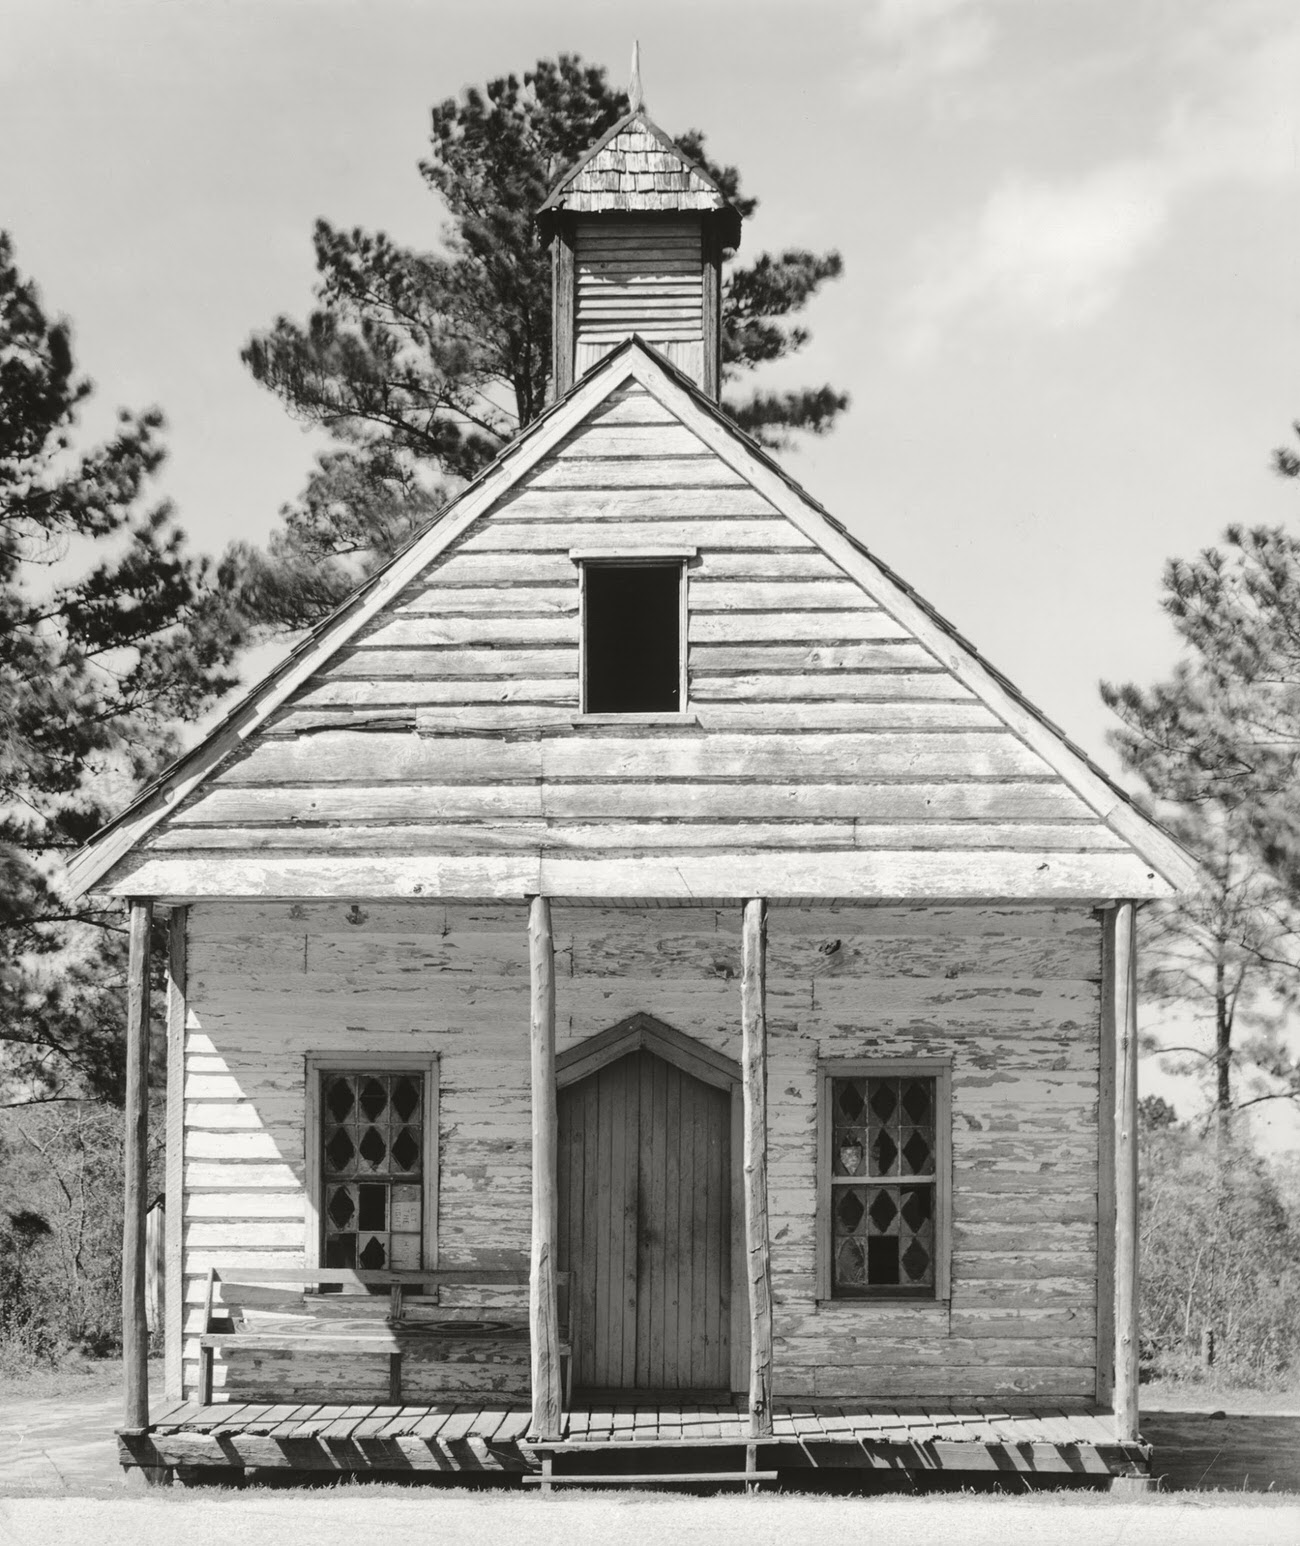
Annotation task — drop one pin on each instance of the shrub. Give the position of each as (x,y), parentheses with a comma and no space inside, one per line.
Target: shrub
(1220,1249)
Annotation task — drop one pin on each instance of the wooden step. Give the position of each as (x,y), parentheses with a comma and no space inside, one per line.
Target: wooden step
(639,1478)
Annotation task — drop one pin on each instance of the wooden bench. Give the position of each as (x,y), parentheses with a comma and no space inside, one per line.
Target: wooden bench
(290,1309)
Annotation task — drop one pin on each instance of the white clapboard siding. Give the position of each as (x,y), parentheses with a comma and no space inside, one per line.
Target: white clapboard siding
(1009,993)
(816,723)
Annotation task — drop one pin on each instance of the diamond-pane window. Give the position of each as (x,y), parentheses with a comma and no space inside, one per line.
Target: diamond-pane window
(882,1152)
(884,1155)
(883,1210)
(849,1210)
(406,1098)
(916,1100)
(373,1147)
(917,1206)
(338,1099)
(916,1263)
(850,1102)
(339,1150)
(371,1124)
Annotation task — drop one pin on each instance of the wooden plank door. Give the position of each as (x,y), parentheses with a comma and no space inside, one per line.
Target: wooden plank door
(645,1226)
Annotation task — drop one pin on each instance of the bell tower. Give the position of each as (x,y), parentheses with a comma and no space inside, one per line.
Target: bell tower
(637,235)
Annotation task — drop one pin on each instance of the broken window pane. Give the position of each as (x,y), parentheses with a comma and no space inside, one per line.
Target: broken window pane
(883,1130)
(370,1123)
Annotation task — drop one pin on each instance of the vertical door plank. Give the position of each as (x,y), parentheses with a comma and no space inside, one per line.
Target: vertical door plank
(645,1252)
(605,1375)
(673,1194)
(714,1241)
(697,1373)
(685,1239)
(593,1265)
(656,1226)
(631,1212)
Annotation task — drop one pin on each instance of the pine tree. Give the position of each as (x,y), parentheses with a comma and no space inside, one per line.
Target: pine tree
(1217,747)
(423,365)
(109,635)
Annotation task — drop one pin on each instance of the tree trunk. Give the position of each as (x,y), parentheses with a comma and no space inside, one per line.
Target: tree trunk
(1222,1062)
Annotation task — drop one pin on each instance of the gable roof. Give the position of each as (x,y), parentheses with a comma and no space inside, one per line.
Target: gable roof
(633,361)
(635,168)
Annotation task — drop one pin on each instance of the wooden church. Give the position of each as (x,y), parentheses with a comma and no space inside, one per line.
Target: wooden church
(645,996)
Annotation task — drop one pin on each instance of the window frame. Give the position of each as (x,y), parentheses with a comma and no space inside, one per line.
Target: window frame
(318,1063)
(618,558)
(938,1069)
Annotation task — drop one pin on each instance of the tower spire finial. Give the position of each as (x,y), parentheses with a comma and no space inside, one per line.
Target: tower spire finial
(635,93)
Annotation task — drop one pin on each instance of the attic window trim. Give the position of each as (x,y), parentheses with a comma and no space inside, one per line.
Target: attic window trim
(605,558)
(633,555)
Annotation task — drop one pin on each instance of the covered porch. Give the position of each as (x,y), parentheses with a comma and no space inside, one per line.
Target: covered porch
(638,1444)
(752,1438)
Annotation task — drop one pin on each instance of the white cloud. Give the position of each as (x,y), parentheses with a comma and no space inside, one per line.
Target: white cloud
(1056,253)
(1053,254)
(913,42)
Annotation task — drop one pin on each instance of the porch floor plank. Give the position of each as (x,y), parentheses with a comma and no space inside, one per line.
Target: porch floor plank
(432,1420)
(342,1427)
(948,1424)
(244,1419)
(219,1414)
(372,1426)
(296,1415)
(978,1427)
(177,1416)
(314,1425)
(458,1425)
(271,1418)
(515,1425)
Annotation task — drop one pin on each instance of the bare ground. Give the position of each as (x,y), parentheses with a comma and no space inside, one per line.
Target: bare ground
(345,1515)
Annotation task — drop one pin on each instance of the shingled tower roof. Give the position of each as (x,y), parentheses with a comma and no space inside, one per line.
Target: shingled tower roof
(636,169)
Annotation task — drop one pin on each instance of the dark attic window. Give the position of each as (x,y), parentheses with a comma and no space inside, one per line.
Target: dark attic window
(632,645)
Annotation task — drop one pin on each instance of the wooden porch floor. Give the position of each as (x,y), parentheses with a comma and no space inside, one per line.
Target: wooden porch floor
(473,1437)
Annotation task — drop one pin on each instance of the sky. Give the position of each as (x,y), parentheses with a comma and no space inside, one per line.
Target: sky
(1069,320)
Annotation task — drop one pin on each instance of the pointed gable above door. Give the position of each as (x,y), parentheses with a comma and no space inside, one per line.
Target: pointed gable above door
(838,738)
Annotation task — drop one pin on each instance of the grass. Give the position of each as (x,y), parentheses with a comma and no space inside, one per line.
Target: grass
(1218,1393)
(70,1377)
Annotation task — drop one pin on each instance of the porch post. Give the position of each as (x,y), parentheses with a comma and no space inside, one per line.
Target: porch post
(543,1311)
(758,1262)
(135,1331)
(174,1283)
(1122,992)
